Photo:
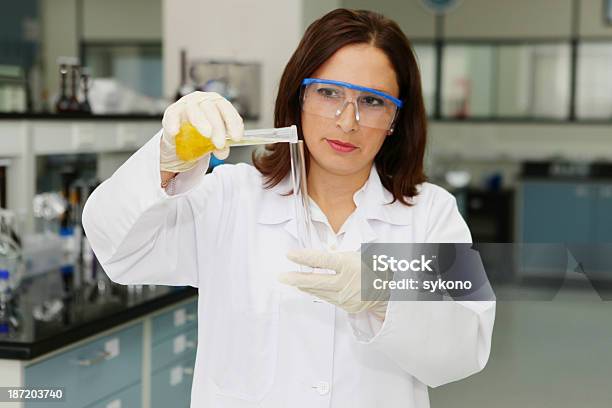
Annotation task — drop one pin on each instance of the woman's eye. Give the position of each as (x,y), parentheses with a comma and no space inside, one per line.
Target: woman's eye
(328,92)
(372,101)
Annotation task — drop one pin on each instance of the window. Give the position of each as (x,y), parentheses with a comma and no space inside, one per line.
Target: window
(594,81)
(136,66)
(426,58)
(506,81)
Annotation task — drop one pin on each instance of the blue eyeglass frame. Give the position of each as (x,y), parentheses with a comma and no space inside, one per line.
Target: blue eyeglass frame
(397,102)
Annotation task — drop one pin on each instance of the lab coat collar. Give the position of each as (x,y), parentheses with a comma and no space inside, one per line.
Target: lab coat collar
(375,200)
(372,203)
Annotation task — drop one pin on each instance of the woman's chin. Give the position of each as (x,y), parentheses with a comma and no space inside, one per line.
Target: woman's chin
(339,167)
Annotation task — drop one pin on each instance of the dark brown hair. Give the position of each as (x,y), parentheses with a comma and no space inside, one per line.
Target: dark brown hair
(399,162)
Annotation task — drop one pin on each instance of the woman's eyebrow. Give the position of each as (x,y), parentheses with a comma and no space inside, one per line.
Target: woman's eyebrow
(372,88)
(387,91)
(375,87)
(384,91)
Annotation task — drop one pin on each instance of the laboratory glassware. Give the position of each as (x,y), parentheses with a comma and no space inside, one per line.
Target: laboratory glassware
(191,145)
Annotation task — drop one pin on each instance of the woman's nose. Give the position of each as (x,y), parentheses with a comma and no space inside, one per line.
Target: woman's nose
(348,117)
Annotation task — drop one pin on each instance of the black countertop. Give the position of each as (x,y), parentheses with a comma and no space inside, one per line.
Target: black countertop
(81,314)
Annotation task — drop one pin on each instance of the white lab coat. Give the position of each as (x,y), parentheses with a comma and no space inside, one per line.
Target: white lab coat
(265,344)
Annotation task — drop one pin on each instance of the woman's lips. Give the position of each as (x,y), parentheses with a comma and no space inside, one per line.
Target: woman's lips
(341,147)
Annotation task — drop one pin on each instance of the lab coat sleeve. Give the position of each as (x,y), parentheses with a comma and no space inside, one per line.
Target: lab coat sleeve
(141,234)
(437,342)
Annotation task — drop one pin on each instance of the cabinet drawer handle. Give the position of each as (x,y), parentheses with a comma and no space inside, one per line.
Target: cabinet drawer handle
(188,371)
(191,317)
(190,345)
(100,357)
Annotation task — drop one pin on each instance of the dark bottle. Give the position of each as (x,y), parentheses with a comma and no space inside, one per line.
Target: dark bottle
(84,106)
(74,105)
(186,86)
(63,102)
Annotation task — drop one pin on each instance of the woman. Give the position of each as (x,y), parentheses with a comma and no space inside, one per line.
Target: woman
(353,88)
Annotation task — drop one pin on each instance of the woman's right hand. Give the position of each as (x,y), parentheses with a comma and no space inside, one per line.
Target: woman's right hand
(212,115)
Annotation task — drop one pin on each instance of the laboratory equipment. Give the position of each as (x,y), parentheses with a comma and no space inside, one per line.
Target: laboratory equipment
(186,86)
(49,207)
(10,268)
(84,105)
(191,145)
(63,102)
(74,105)
(42,252)
(4,301)
(301,200)
(237,81)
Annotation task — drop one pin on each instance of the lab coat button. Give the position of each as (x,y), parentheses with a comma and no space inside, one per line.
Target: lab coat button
(322,387)
(333,247)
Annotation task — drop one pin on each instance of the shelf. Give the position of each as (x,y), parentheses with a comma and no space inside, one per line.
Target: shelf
(75,116)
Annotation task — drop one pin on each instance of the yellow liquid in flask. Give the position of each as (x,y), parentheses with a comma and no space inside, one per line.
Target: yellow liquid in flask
(191,145)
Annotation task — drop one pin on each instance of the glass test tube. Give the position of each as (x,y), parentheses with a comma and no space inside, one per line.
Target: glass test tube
(190,145)
(266,136)
(300,194)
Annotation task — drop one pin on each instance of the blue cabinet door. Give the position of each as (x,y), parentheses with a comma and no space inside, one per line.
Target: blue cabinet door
(175,321)
(552,213)
(92,371)
(171,385)
(175,348)
(130,397)
(597,261)
(602,216)
(556,212)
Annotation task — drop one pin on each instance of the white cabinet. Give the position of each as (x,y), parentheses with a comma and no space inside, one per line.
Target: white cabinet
(23,140)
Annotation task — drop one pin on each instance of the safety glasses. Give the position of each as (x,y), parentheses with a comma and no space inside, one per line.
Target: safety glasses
(328,99)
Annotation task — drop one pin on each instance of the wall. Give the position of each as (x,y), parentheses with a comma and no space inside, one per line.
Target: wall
(510,19)
(137,20)
(313,9)
(591,20)
(412,17)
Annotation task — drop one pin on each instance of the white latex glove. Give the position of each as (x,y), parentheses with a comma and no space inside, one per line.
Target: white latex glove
(211,114)
(342,289)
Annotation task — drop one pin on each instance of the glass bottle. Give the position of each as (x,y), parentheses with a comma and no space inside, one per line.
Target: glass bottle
(84,106)
(63,102)
(186,87)
(74,105)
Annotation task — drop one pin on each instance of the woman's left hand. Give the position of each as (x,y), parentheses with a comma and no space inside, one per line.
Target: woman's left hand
(342,288)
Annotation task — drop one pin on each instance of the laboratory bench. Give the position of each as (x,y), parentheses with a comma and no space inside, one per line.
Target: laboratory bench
(103,345)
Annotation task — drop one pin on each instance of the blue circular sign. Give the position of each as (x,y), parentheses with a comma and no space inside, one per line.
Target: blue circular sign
(440,6)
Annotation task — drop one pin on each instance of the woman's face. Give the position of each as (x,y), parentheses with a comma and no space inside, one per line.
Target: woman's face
(358,64)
